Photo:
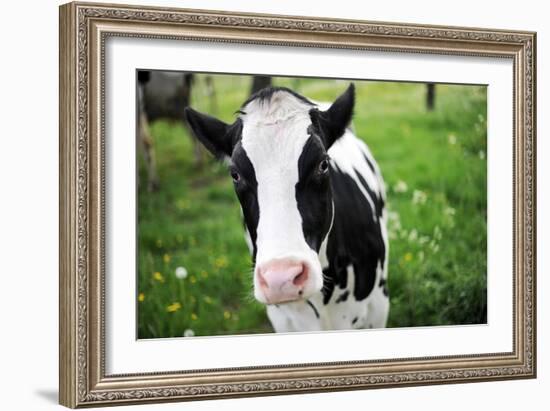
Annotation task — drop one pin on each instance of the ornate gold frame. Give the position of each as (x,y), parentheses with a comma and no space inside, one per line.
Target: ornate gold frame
(83,30)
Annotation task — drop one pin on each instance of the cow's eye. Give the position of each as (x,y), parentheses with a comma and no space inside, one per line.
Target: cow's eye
(235,176)
(323,166)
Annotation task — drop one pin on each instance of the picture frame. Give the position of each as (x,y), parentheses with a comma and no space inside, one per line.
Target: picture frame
(84,30)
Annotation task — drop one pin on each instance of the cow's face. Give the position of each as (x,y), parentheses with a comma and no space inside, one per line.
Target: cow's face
(277,152)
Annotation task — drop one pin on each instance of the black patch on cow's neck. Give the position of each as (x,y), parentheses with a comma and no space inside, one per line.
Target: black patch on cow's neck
(247,192)
(313,193)
(265,94)
(376,197)
(328,285)
(384,285)
(355,238)
(371,166)
(343,297)
(337,271)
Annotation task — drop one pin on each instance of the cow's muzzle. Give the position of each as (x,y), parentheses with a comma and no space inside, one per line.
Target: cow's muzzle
(282,280)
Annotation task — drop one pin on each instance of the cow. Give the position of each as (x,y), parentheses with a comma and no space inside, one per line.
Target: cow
(313,202)
(163,95)
(144,138)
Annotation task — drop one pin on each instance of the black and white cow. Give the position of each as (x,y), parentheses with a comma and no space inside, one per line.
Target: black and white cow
(313,199)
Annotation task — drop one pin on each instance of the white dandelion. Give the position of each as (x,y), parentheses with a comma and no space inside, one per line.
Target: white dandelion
(452,139)
(438,234)
(419,197)
(449,211)
(393,216)
(189,333)
(423,240)
(394,223)
(400,187)
(181,273)
(434,246)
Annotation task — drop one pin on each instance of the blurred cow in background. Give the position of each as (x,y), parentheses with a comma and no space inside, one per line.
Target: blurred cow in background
(162,95)
(144,140)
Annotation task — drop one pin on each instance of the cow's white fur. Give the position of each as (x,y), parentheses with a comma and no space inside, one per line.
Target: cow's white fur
(273,136)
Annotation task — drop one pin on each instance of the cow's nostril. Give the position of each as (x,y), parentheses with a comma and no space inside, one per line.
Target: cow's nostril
(262,281)
(301,278)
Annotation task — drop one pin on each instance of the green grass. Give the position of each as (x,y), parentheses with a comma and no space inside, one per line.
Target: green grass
(434,165)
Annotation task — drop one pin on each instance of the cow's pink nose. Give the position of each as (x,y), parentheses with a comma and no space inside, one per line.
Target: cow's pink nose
(282,280)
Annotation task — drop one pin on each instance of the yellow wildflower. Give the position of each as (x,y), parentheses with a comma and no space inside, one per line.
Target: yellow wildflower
(183,204)
(408,257)
(173,307)
(158,276)
(207,299)
(141,297)
(226,315)
(194,316)
(221,262)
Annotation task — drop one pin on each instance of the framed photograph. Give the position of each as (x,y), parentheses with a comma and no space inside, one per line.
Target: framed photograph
(258,204)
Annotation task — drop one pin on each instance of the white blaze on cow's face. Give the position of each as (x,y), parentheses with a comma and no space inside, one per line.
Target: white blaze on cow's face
(277,150)
(274,133)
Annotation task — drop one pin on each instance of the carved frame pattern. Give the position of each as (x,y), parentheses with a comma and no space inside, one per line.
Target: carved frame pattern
(83,30)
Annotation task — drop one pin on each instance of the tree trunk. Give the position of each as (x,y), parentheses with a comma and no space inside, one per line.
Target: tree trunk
(260,82)
(430,96)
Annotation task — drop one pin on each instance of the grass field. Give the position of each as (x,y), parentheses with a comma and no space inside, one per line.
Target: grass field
(194,269)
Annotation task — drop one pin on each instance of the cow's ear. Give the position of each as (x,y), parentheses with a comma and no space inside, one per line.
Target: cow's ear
(214,134)
(332,123)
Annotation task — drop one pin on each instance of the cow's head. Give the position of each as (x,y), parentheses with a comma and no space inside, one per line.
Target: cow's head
(277,155)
